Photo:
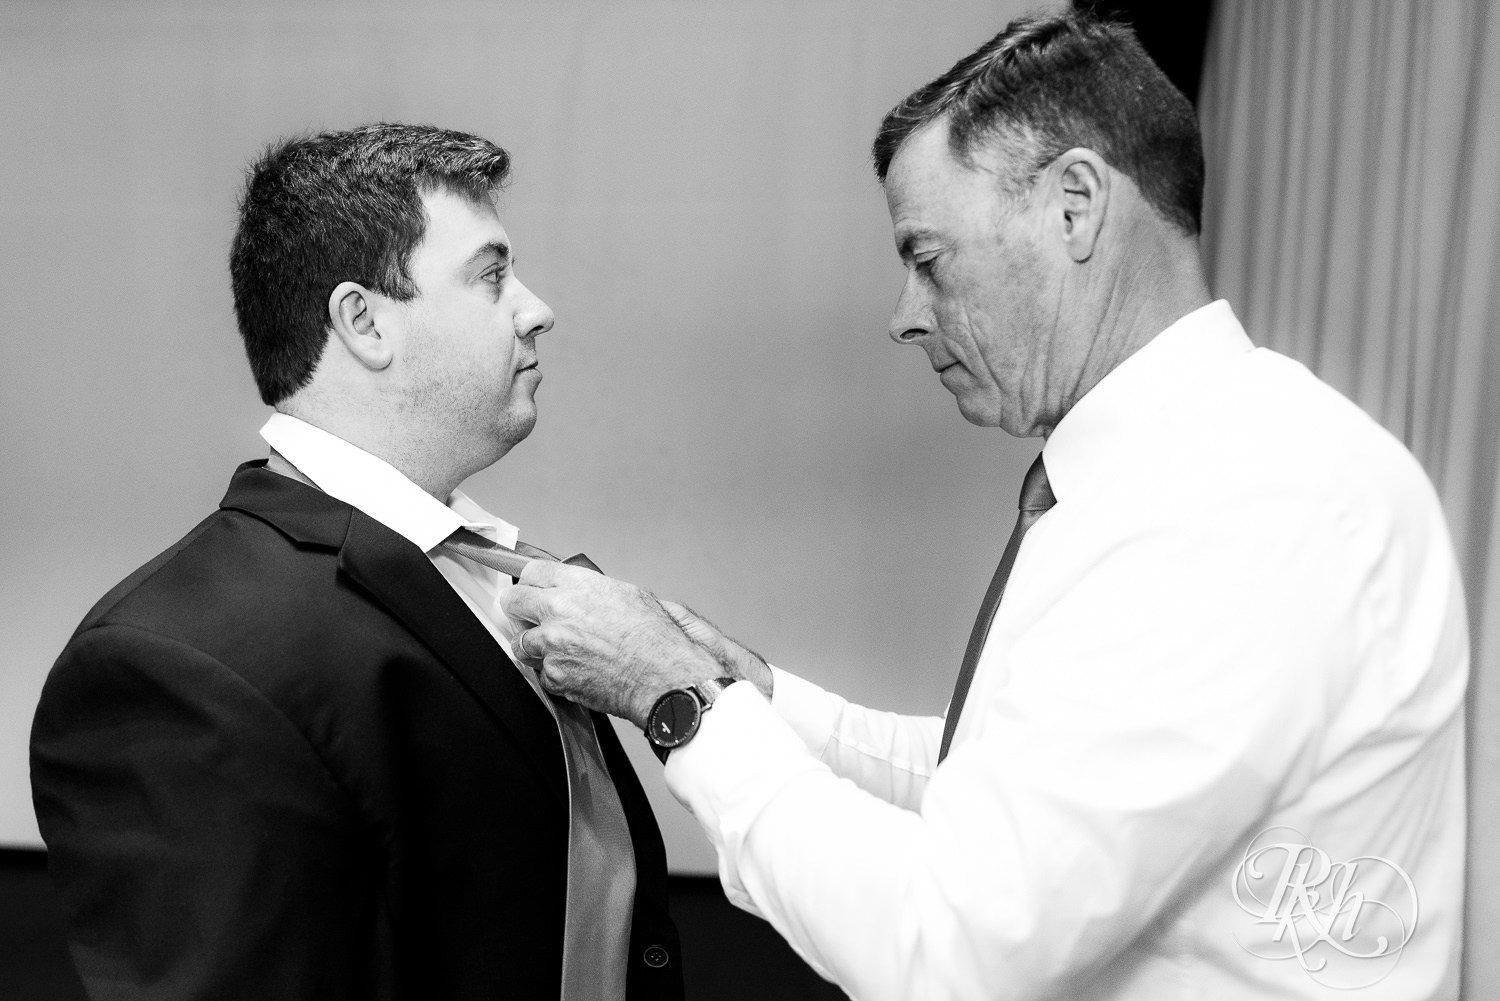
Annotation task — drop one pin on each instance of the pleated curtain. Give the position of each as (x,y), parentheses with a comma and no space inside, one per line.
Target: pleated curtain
(1352,219)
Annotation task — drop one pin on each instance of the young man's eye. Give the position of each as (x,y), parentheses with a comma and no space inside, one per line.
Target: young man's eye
(496,274)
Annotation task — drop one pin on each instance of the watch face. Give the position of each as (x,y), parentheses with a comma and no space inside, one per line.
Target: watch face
(673,719)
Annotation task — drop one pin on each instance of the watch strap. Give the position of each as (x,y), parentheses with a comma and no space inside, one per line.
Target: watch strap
(708,692)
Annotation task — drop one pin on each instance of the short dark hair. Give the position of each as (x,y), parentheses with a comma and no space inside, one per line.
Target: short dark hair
(1049,83)
(338,206)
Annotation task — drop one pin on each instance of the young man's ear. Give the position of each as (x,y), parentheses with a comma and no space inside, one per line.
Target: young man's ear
(1083,189)
(351,316)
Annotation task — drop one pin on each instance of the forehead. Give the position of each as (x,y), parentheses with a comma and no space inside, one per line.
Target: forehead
(456,228)
(927,188)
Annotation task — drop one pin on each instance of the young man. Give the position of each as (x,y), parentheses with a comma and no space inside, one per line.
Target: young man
(291,757)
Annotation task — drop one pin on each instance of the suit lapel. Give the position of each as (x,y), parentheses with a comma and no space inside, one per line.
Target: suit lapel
(403,581)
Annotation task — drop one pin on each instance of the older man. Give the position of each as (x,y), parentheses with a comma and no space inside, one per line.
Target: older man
(289,758)
(1209,744)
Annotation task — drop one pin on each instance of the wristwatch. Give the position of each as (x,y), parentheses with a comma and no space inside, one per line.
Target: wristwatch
(676,715)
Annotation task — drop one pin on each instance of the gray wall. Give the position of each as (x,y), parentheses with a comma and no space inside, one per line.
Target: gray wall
(723,420)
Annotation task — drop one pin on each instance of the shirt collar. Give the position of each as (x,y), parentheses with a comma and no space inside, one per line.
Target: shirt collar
(377,488)
(1170,364)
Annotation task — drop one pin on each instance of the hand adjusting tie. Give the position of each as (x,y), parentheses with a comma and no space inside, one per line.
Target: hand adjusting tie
(473,546)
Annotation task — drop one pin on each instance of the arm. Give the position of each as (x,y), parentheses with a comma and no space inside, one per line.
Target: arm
(199,846)
(886,754)
(1132,749)
(1164,691)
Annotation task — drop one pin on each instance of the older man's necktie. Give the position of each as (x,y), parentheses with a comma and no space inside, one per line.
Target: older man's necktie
(1036,498)
(597,919)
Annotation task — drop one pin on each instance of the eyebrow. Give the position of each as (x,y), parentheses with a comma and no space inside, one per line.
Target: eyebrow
(501,251)
(910,239)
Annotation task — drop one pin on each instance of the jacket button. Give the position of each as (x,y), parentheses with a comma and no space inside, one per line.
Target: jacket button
(655,956)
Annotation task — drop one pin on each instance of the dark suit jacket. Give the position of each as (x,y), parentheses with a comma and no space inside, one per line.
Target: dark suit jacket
(283,760)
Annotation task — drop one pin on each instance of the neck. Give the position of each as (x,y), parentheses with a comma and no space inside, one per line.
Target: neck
(1154,288)
(425,456)
(1149,298)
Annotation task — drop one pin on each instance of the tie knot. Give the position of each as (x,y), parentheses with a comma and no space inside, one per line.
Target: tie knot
(1036,492)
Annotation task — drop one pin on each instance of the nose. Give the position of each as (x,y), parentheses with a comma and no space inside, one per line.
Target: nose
(533,316)
(911,320)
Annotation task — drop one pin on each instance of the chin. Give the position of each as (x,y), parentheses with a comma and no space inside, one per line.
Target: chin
(981,414)
(515,425)
(988,413)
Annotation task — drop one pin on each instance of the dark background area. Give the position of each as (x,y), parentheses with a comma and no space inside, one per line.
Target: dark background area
(727,954)
(1173,33)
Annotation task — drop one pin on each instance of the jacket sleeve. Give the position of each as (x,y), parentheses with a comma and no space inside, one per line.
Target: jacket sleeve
(199,846)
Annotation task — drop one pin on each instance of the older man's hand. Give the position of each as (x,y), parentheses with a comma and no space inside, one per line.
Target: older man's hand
(606,644)
(734,658)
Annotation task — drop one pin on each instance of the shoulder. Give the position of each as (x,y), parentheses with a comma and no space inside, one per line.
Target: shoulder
(127,685)
(242,595)
(231,566)
(213,540)
(1260,470)
(172,627)
(1308,492)
(234,636)
(1268,428)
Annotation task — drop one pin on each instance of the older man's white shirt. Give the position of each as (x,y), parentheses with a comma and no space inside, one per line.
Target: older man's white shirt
(1243,614)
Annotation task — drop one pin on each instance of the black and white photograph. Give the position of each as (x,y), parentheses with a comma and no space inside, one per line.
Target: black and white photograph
(750,500)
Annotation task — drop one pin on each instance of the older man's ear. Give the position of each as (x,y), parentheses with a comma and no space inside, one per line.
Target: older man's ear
(1080,180)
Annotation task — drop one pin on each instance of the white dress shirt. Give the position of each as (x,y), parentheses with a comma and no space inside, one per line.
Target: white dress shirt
(377,488)
(601,868)
(1240,627)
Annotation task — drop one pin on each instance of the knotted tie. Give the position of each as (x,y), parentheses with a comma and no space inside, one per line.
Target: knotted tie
(1036,498)
(601,859)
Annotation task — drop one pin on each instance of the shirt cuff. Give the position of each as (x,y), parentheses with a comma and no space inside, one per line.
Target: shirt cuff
(812,713)
(740,758)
